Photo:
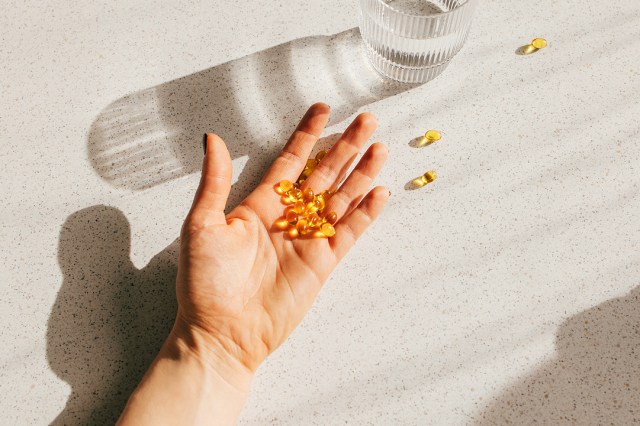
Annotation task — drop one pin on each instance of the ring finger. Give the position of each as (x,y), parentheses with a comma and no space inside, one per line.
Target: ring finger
(357,184)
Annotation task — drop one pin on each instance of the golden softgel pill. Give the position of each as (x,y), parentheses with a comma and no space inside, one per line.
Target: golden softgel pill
(539,43)
(328,229)
(285,185)
(429,176)
(432,136)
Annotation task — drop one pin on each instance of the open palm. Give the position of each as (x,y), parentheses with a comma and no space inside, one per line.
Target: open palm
(244,284)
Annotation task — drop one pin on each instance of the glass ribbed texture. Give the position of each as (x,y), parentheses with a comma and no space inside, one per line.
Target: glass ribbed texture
(412,41)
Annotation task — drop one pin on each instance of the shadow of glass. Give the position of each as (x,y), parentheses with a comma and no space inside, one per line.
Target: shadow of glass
(109,318)
(153,136)
(594,379)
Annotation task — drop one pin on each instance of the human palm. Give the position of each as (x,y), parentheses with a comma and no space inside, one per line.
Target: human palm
(244,284)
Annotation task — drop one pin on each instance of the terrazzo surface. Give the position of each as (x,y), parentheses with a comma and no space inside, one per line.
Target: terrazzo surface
(506,292)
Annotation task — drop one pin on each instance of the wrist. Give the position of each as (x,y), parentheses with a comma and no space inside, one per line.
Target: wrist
(195,345)
(188,383)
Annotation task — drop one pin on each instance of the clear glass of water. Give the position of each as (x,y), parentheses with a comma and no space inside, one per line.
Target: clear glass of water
(412,41)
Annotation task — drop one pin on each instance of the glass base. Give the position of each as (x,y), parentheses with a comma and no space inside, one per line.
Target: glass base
(403,74)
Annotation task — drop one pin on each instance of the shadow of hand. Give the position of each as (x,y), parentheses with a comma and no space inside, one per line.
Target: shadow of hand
(109,318)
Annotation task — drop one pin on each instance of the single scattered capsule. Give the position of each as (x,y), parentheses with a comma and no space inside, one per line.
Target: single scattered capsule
(328,229)
(299,207)
(430,176)
(307,195)
(302,226)
(432,136)
(331,218)
(539,43)
(311,163)
(320,155)
(286,185)
(292,217)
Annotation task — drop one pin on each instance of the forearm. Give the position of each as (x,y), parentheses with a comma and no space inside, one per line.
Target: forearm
(187,385)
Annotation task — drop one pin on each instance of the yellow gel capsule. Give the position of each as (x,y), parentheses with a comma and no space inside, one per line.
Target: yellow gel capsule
(288,199)
(292,217)
(432,136)
(311,163)
(430,176)
(331,218)
(311,208)
(295,193)
(293,232)
(282,223)
(319,202)
(325,195)
(299,207)
(302,226)
(286,185)
(539,43)
(314,220)
(321,154)
(307,195)
(328,229)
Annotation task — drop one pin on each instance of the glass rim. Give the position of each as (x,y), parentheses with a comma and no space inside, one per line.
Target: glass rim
(433,16)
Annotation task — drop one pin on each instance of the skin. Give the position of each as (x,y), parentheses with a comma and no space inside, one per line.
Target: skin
(243,285)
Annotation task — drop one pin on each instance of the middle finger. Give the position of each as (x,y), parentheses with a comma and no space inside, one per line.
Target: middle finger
(332,168)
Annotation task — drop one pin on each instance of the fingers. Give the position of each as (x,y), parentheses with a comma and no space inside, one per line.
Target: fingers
(335,164)
(215,183)
(349,229)
(295,153)
(359,181)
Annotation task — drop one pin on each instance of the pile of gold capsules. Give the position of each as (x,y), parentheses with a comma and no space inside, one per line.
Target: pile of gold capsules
(305,213)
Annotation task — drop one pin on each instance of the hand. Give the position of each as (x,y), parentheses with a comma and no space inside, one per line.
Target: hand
(242,285)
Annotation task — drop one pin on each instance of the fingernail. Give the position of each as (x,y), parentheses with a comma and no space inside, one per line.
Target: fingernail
(204,144)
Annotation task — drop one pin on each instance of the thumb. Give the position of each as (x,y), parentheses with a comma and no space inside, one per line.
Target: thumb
(215,182)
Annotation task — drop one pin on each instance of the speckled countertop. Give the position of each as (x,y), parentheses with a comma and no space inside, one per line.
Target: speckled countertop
(507,291)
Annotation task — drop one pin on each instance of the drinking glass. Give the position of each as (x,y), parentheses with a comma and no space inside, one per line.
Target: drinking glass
(412,41)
